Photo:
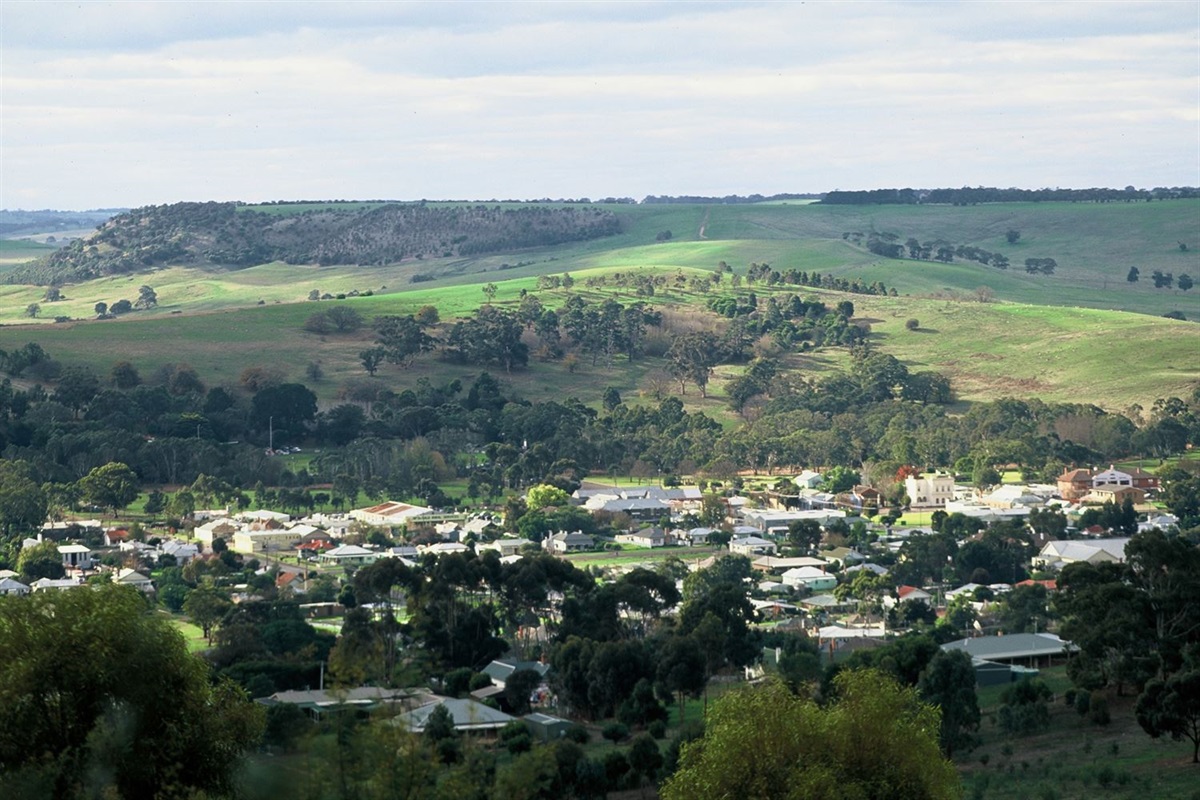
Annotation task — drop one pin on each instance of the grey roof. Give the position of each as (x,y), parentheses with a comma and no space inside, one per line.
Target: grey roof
(500,669)
(1015,645)
(359,696)
(545,719)
(467,715)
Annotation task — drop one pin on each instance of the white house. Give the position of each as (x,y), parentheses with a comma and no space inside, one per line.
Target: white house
(13,587)
(130,577)
(1058,553)
(568,542)
(811,578)
(929,490)
(349,554)
(808,479)
(75,556)
(505,546)
(752,546)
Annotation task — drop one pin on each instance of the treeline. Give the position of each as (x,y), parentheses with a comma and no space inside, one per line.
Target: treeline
(968,196)
(729,199)
(233,236)
(888,245)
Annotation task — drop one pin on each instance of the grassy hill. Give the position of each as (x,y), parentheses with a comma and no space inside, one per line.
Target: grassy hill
(988,350)
(1054,337)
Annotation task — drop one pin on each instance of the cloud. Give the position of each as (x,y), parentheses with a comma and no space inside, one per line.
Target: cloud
(125,103)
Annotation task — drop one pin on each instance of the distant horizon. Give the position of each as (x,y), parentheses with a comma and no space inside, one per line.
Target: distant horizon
(578,198)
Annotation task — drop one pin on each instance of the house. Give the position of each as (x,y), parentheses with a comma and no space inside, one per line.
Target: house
(563,542)
(646,537)
(262,515)
(751,546)
(1074,484)
(360,698)
(1032,648)
(47,584)
(505,546)
(811,578)
(808,479)
(1012,496)
(1163,521)
(216,529)
(468,716)
(114,537)
(860,498)
(348,554)
(130,577)
(777,564)
(929,490)
(250,542)
(776,521)
(390,514)
(443,548)
(698,537)
(75,556)
(905,594)
(1057,553)
(12,586)
(1113,493)
(183,552)
(500,670)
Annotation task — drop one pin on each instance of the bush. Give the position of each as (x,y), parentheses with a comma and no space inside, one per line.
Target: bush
(1098,713)
(658,729)
(1083,702)
(578,734)
(912,324)
(615,732)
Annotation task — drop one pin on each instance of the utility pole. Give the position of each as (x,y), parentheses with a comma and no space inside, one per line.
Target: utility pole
(271,433)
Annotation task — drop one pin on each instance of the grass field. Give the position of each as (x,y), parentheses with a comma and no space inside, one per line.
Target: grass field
(1075,758)
(988,350)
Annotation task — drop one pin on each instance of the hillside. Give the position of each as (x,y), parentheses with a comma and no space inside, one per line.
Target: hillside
(228,235)
(988,350)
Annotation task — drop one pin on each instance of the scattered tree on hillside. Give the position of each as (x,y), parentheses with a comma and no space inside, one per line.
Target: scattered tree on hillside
(1011,236)
(112,486)
(32,310)
(147,298)
(1133,275)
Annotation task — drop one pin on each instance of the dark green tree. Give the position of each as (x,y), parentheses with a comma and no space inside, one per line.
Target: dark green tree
(949,683)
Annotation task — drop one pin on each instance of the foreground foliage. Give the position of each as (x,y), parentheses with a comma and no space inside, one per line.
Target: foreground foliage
(875,740)
(98,696)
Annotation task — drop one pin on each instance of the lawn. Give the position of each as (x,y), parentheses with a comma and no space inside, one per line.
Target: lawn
(191,633)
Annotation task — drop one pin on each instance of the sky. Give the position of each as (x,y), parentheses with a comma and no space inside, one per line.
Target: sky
(114,104)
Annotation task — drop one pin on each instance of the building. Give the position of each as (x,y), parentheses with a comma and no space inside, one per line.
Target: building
(75,556)
(1057,553)
(390,514)
(810,578)
(929,490)
(468,716)
(1029,648)
(752,546)
(505,546)
(349,554)
(562,542)
(250,542)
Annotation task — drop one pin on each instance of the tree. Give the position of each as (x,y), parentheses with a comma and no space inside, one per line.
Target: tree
(147,298)
(53,295)
(544,495)
(691,358)
(344,319)
(74,722)
(1172,707)
(23,504)
(121,307)
(371,358)
(288,408)
(112,486)
(489,291)
(1133,274)
(40,561)
(206,606)
(427,316)
(949,683)
(124,376)
(1184,281)
(877,740)
(1011,236)
(76,388)
(100,308)
(912,324)
(32,310)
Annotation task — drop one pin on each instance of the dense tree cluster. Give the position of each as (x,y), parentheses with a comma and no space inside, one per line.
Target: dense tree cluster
(232,235)
(969,196)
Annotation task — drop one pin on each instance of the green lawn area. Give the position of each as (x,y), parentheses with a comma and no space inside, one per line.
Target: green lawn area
(192,633)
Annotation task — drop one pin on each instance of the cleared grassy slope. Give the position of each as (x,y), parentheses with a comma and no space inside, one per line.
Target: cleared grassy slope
(989,350)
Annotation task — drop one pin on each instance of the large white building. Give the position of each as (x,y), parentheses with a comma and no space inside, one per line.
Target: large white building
(929,490)
(390,514)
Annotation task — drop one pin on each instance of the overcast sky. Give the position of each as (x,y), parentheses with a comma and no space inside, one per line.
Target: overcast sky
(128,104)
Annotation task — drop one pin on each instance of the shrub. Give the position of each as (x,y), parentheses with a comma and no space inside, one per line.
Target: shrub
(1083,702)
(1098,713)
(912,324)
(615,732)
(658,729)
(578,734)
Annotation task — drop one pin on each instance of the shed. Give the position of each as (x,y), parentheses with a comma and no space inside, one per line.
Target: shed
(546,728)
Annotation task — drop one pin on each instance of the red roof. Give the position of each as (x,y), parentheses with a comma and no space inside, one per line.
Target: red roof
(1076,475)
(1051,585)
(905,591)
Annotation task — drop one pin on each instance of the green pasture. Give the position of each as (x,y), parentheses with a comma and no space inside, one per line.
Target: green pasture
(1075,758)
(987,349)
(192,634)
